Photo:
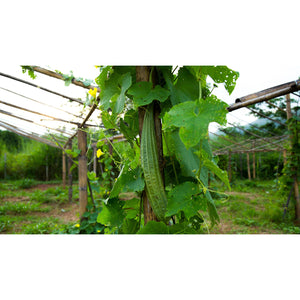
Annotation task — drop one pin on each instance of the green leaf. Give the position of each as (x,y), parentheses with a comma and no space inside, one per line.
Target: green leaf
(130,125)
(143,93)
(131,208)
(193,118)
(111,213)
(130,226)
(128,181)
(181,199)
(153,227)
(108,120)
(217,171)
(222,74)
(125,82)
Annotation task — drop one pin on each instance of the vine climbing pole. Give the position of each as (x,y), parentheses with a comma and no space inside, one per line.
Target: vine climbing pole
(70,176)
(248,166)
(143,74)
(82,171)
(292,154)
(64,169)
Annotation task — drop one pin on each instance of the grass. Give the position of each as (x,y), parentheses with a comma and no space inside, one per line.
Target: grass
(26,209)
(253,207)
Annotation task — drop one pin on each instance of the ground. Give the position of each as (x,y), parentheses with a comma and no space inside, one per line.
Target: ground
(250,208)
(43,208)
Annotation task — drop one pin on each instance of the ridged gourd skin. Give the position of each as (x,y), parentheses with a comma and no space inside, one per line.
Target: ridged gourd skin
(149,160)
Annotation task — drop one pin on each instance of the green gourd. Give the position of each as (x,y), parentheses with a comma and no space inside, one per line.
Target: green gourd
(149,160)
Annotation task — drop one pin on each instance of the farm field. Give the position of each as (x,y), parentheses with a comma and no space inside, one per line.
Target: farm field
(252,207)
(31,207)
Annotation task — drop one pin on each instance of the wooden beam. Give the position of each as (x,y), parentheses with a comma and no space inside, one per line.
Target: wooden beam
(42,88)
(59,76)
(25,134)
(265,95)
(45,104)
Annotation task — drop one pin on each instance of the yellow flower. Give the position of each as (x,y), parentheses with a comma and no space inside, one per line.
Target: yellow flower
(98,230)
(77,225)
(93,92)
(99,153)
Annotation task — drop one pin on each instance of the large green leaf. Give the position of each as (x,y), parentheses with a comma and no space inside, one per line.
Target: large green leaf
(111,213)
(153,227)
(143,93)
(222,74)
(128,181)
(193,118)
(130,226)
(181,199)
(114,88)
(125,82)
(186,87)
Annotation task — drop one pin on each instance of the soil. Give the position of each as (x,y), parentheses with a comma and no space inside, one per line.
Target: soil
(65,212)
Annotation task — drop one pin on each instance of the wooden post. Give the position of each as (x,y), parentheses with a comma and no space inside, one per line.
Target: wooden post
(296,183)
(70,175)
(5,158)
(229,166)
(95,159)
(143,74)
(241,166)
(248,166)
(64,169)
(253,162)
(284,157)
(82,171)
(47,168)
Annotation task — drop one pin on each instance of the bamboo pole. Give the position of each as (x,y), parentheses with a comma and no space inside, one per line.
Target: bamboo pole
(143,74)
(70,175)
(253,161)
(229,166)
(45,104)
(264,95)
(248,166)
(284,157)
(95,159)
(82,171)
(42,88)
(59,76)
(64,169)
(296,183)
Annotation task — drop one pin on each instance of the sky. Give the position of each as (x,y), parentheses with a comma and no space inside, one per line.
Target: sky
(253,78)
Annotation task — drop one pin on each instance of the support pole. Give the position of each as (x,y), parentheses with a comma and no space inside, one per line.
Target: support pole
(229,166)
(284,157)
(241,165)
(95,159)
(64,169)
(248,166)
(253,161)
(47,168)
(5,158)
(70,175)
(82,171)
(296,183)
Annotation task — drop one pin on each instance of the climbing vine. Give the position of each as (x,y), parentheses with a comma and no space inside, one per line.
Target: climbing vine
(187,107)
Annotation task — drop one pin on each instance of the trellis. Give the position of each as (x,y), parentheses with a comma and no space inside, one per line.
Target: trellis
(259,144)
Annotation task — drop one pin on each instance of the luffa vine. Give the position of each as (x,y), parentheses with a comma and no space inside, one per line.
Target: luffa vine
(187,108)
